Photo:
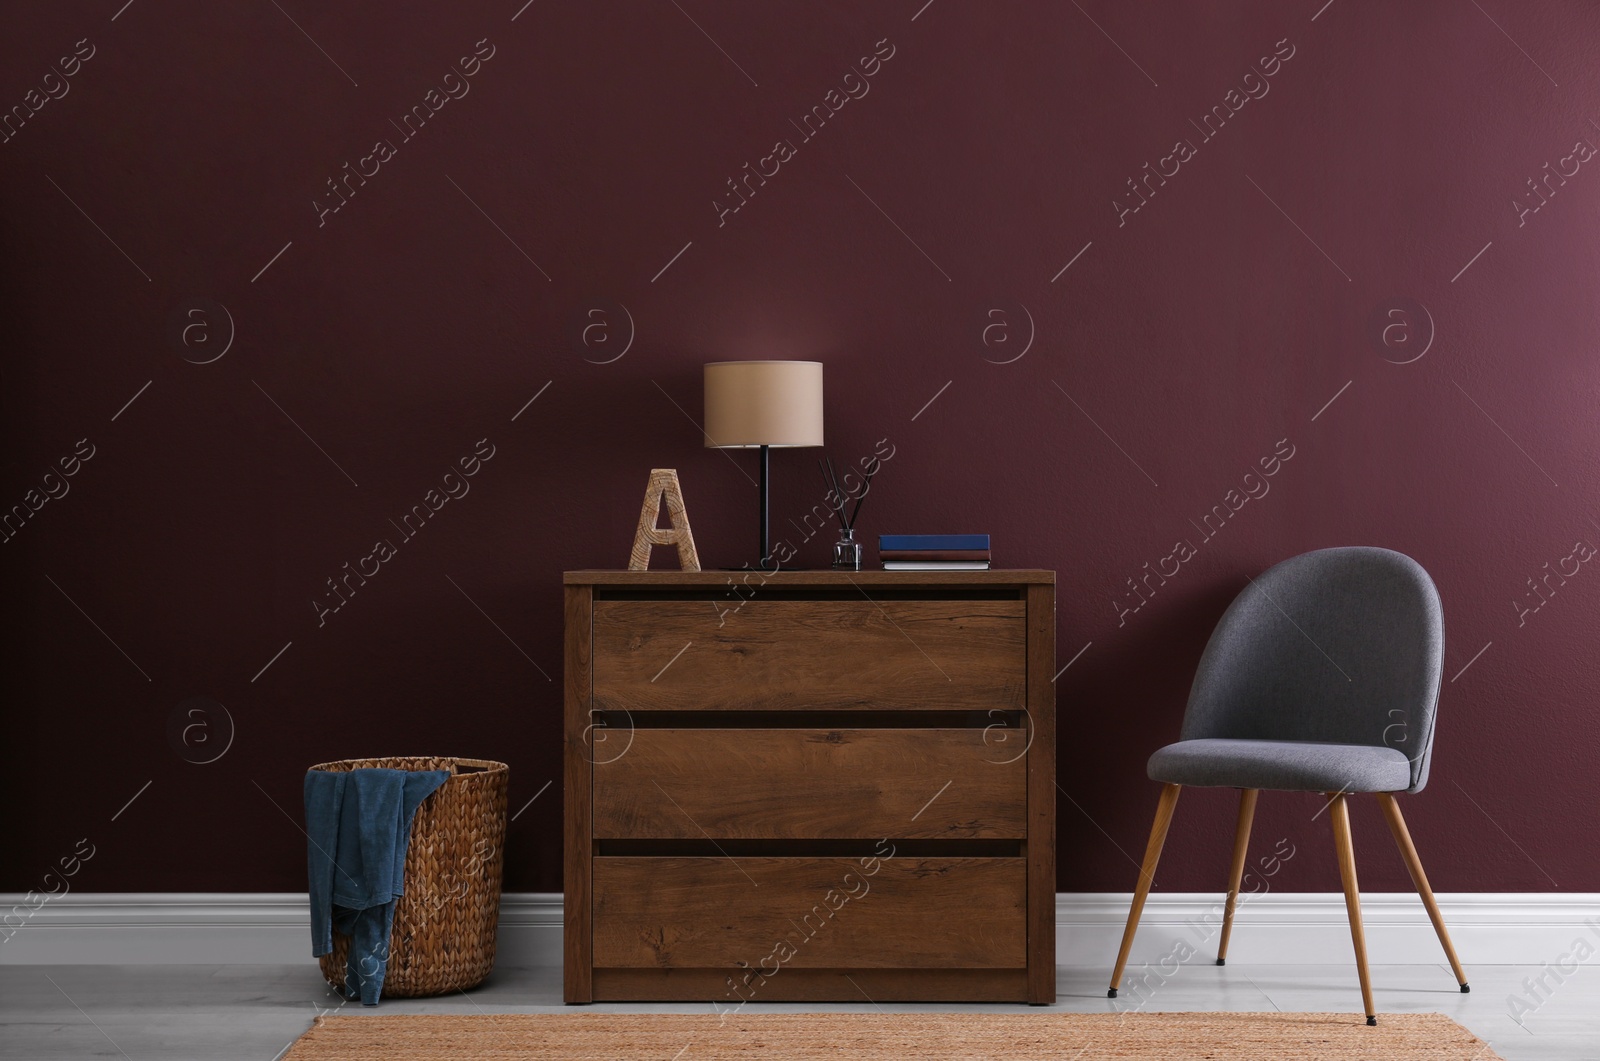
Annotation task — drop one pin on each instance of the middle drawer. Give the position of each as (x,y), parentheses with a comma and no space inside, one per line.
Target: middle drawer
(752,784)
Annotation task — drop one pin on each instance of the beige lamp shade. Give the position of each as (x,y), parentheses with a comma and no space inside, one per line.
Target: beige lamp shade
(763,403)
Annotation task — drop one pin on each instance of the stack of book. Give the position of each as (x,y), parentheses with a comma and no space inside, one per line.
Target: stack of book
(934,552)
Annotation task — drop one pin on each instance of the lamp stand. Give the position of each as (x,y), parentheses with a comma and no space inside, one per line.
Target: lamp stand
(766,548)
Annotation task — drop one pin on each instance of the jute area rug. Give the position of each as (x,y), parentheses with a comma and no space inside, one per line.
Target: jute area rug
(917,1036)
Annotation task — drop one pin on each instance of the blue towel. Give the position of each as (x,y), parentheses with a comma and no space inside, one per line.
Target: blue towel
(358,824)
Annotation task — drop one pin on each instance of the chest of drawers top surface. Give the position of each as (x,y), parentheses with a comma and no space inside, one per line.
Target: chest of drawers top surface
(749,578)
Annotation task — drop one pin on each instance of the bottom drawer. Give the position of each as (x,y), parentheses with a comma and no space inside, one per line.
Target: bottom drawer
(768,913)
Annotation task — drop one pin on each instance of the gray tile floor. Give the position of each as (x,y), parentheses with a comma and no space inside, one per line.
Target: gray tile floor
(253,1012)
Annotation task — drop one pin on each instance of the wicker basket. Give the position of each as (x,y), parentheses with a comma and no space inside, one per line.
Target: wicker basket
(444,924)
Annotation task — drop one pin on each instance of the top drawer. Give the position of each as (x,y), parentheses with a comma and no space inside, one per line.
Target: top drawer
(771,655)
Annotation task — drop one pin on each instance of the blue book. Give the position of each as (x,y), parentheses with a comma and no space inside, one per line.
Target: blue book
(902,542)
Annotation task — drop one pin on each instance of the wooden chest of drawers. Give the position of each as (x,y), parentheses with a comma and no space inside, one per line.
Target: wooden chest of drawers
(810,785)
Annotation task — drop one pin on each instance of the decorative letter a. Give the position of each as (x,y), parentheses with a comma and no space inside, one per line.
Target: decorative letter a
(663,485)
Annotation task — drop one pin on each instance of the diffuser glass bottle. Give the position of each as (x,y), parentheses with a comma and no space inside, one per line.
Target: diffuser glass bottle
(846,551)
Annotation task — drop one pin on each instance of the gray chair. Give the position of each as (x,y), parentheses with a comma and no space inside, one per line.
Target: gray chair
(1322,676)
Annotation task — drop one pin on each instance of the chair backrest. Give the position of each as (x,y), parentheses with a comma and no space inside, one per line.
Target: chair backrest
(1339,645)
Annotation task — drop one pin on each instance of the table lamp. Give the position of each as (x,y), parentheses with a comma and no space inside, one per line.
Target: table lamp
(761,404)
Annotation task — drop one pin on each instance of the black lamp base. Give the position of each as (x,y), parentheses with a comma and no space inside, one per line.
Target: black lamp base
(766,544)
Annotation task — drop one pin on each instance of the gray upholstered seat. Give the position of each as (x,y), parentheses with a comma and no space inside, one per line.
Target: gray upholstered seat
(1292,766)
(1322,676)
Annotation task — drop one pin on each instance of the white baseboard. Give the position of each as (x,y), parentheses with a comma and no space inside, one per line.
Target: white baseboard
(224,928)
(1311,928)
(1274,928)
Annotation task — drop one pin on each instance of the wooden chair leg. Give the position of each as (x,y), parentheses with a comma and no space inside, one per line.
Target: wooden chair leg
(1408,851)
(1352,895)
(1241,842)
(1147,872)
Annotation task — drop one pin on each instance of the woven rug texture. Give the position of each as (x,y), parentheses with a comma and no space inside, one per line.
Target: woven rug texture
(903,1036)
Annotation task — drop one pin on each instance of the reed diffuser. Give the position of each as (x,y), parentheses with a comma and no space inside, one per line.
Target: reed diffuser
(846,551)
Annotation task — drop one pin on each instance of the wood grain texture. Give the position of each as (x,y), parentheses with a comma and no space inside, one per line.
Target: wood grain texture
(816,913)
(836,708)
(800,579)
(1344,847)
(577,784)
(1408,852)
(663,486)
(1041,765)
(1241,847)
(810,654)
(727,988)
(1165,807)
(819,783)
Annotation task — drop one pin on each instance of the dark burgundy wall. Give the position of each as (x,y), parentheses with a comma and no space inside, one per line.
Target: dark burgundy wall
(1178,349)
